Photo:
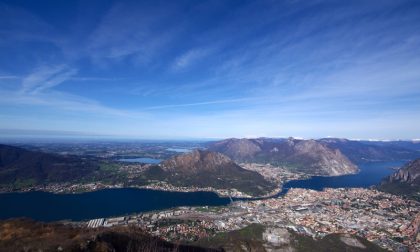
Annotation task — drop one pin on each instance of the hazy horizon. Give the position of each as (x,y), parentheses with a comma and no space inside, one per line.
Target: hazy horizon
(57,136)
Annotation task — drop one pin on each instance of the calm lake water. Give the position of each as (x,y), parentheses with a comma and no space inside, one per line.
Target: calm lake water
(45,206)
(113,202)
(370,174)
(180,150)
(143,160)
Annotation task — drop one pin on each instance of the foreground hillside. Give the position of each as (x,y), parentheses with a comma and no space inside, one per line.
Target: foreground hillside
(27,235)
(405,181)
(260,238)
(210,169)
(308,156)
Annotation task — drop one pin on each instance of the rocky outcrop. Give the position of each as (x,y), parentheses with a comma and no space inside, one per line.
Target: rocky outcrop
(409,174)
(309,156)
(405,181)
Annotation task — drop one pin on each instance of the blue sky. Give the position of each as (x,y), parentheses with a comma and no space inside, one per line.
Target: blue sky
(211,69)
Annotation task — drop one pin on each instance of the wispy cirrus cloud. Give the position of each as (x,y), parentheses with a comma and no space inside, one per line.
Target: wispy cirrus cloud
(8,77)
(91,78)
(197,104)
(188,58)
(124,33)
(65,102)
(37,89)
(46,77)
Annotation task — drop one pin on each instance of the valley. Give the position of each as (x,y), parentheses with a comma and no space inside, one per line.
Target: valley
(198,196)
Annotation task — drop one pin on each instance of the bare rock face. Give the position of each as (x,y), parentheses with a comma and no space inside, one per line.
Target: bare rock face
(237,148)
(196,161)
(405,181)
(309,156)
(409,174)
(332,162)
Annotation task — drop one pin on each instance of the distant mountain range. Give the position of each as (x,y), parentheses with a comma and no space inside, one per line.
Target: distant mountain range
(405,181)
(325,156)
(202,168)
(20,168)
(309,156)
(214,167)
(365,151)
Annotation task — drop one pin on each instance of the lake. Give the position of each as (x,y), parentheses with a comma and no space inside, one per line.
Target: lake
(45,206)
(370,174)
(179,150)
(143,160)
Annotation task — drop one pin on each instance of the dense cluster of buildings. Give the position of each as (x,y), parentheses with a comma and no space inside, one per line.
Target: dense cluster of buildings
(72,187)
(163,186)
(384,219)
(276,174)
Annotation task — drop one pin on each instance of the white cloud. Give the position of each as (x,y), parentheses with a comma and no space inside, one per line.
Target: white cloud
(200,103)
(46,77)
(129,31)
(190,57)
(8,77)
(37,90)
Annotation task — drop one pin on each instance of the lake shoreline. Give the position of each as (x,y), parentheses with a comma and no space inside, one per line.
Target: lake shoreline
(68,188)
(79,188)
(120,200)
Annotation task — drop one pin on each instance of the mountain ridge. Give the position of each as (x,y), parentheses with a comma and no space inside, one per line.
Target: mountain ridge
(21,167)
(365,151)
(309,156)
